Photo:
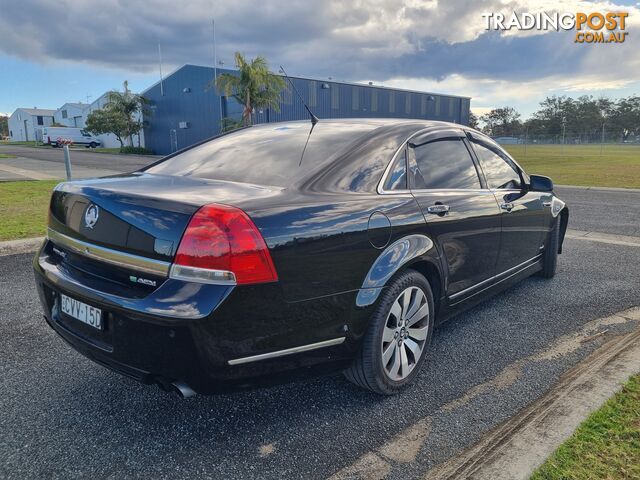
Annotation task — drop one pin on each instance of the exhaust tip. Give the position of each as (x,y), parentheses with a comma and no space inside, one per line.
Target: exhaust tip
(183,390)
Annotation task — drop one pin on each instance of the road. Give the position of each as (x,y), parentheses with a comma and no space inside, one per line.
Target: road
(63,416)
(81,157)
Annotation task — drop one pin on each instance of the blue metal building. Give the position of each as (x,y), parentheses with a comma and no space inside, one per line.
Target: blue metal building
(185,109)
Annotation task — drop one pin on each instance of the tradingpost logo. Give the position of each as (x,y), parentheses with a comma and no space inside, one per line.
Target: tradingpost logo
(595,27)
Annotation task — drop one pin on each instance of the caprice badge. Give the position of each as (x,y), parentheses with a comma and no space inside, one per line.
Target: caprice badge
(91,215)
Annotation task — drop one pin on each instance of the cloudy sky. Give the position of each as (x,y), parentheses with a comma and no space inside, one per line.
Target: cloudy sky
(68,50)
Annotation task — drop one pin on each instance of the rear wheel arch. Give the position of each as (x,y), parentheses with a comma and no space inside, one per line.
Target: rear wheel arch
(431,272)
(393,260)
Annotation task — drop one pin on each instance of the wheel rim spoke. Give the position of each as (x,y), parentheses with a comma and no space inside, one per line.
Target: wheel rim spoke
(386,355)
(395,368)
(406,300)
(419,315)
(417,301)
(396,309)
(418,334)
(414,347)
(388,334)
(404,360)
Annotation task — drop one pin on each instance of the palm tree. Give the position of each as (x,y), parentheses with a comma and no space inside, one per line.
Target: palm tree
(129,106)
(254,86)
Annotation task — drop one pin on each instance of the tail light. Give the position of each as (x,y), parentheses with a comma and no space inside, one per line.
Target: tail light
(222,245)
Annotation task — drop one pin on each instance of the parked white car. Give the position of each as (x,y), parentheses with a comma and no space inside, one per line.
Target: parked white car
(78,136)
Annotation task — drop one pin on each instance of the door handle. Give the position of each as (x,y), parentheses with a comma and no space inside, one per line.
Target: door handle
(508,206)
(546,204)
(438,209)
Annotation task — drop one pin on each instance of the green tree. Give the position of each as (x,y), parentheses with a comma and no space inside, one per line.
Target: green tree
(625,117)
(121,115)
(473,120)
(4,126)
(253,87)
(107,120)
(502,122)
(548,119)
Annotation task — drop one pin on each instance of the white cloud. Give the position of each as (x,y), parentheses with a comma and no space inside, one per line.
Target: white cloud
(434,45)
(488,93)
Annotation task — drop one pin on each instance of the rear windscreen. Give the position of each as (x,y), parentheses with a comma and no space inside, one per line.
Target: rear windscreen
(264,155)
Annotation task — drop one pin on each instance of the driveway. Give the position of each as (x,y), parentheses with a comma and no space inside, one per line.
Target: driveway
(64,416)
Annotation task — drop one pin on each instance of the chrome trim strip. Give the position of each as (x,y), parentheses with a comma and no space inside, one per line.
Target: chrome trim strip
(402,146)
(514,270)
(380,188)
(288,351)
(107,255)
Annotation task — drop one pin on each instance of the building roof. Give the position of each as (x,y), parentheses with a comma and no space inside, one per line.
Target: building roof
(364,85)
(79,105)
(38,111)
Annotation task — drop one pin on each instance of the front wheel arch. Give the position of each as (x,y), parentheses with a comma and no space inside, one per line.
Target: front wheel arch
(564,222)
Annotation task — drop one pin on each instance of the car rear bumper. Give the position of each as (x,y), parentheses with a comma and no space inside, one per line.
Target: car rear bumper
(212,338)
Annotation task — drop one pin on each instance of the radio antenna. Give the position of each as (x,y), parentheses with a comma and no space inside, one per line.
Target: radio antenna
(314,119)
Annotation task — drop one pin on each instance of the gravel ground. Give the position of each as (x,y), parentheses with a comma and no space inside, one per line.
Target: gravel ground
(64,417)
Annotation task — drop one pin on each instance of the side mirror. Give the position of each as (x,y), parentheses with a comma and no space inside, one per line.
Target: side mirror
(539,183)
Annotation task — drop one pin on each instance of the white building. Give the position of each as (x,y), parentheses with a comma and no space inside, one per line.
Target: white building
(71,115)
(25,123)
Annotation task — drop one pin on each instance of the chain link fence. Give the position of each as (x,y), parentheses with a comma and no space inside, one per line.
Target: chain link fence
(566,142)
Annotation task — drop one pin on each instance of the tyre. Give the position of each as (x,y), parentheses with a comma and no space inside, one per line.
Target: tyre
(550,255)
(93,144)
(395,345)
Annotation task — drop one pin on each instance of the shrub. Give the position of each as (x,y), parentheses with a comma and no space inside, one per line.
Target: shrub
(136,150)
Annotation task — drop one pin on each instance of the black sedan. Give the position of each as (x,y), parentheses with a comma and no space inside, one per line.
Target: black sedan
(268,254)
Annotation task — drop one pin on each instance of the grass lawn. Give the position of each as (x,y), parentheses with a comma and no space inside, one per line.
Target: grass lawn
(23,208)
(4,155)
(606,445)
(28,144)
(618,166)
(106,150)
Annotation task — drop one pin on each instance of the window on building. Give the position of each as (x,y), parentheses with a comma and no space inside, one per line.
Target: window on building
(423,105)
(443,163)
(39,120)
(407,103)
(392,102)
(335,97)
(64,114)
(313,93)
(437,109)
(355,98)
(452,102)
(374,100)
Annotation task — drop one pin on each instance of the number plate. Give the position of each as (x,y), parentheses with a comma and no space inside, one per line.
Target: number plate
(81,311)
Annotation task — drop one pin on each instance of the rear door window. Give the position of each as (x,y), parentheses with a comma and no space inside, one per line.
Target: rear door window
(443,164)
(397,176)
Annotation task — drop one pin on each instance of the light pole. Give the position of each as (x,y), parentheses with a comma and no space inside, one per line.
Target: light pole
(564,125)
(602,140)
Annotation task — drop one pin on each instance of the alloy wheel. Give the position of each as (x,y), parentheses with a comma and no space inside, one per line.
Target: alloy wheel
(405,333)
